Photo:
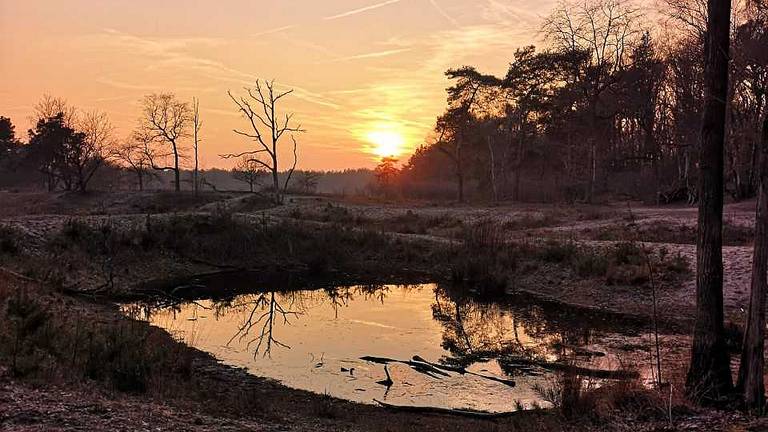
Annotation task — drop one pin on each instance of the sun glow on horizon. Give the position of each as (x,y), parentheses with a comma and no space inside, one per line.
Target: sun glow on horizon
(386,143)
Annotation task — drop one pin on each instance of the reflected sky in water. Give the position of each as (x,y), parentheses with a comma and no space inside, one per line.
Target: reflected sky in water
(313,340)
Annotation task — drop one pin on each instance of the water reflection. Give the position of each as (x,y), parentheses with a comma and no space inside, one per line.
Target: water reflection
(316,339)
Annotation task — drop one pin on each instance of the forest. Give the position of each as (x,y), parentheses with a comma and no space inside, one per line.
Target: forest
(611,105)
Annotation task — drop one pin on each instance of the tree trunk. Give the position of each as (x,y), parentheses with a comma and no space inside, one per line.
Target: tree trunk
(195,175)
(752,358)
(709,376)
(494,191)
(176,171)
(459,174)
(275,179)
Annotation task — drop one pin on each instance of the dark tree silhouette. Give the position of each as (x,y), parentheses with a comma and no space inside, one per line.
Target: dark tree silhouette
(132,155)
(709,376)
(751,369)
(53,146)
(164,123)
(249,172)
(386,172)
(308,181)
(8,141)
(267,127)
(197,124)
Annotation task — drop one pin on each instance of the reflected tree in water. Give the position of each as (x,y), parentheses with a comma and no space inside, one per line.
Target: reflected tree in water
(265,311)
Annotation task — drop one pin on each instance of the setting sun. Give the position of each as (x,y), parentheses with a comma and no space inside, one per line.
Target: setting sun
(386,143)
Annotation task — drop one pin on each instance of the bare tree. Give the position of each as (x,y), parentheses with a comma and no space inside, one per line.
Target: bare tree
(709,376)
(600,34)
(197,124)
(163,125)
(266,311)
(259,108)
(692,14)
(97,145)
(248,171)
(49,106)
(69,146)
(132,155)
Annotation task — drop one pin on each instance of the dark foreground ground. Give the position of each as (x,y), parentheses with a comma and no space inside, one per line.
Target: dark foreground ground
(70,361)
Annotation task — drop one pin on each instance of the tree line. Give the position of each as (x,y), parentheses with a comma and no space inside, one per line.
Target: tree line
(67,146)
(609,106)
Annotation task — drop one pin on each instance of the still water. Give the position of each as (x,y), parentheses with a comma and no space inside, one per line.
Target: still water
(315,340)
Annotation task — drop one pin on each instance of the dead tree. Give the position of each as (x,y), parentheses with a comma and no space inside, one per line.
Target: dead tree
(266,311)
(709,376)
(259,108)
(163,125)
(197,124)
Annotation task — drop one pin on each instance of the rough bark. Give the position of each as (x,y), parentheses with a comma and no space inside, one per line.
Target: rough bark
(709,376)
(750,380)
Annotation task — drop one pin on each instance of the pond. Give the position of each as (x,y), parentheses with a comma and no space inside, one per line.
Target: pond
(359,343)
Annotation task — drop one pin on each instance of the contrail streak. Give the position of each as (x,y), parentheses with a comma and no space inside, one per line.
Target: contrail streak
(362,9)
(442,12)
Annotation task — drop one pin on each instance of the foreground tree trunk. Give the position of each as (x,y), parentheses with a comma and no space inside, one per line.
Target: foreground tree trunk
(750,380)
(709,376)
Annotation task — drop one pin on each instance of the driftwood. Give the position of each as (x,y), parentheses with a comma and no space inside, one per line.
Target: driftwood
(571,369)
(449,411)
(464,371)
(417,366)
(434,370)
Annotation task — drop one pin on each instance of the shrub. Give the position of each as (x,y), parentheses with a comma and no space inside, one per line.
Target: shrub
(126,355)
(628,253)
(484,260)
(557,252)
(590,264)
(9,240)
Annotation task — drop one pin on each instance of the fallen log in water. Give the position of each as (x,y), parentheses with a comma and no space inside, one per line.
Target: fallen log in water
(449,411)
(569,368)
(417,366)
(463,371)
(432,369)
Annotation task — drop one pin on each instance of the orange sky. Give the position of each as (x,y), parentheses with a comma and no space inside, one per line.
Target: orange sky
(363,70)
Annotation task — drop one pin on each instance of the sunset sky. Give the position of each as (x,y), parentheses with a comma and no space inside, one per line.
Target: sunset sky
(364,71)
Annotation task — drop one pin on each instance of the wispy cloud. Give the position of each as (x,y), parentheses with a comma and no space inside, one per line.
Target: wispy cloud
(372,55)
(362,9)
(509,13)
